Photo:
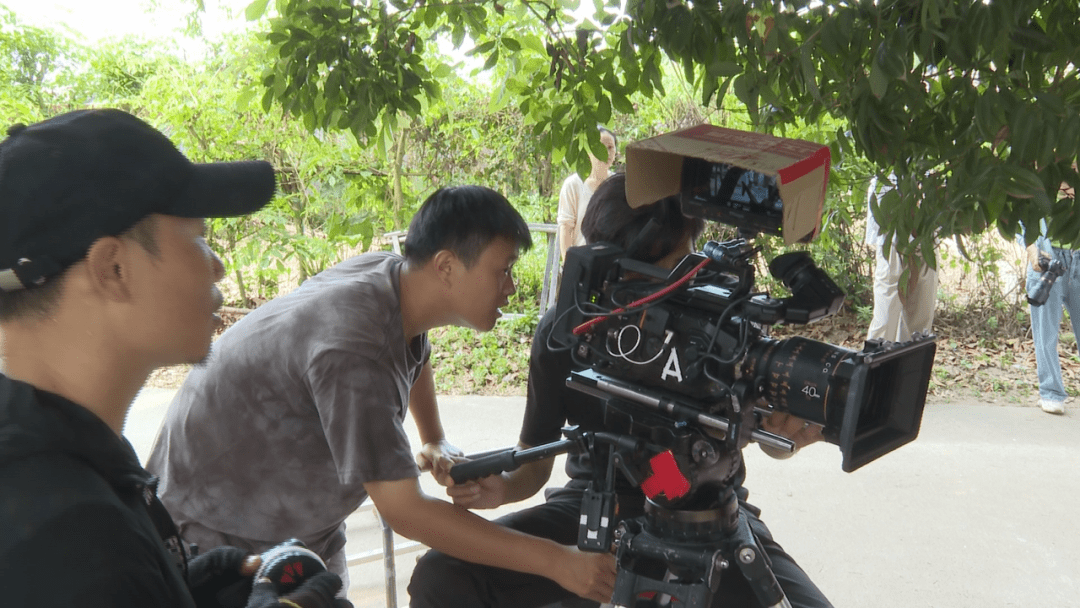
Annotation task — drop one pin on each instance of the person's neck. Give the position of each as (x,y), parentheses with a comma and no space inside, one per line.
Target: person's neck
(422,306)
(599,174)
(52,357)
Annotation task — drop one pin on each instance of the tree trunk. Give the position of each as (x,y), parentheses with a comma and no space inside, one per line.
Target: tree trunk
(239,275)
(397,171)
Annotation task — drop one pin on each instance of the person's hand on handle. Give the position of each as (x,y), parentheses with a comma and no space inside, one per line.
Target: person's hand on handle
(802,432)
(438,457)
(484,493)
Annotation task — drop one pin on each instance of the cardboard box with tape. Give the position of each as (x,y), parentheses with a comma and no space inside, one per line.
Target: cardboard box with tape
(756,182)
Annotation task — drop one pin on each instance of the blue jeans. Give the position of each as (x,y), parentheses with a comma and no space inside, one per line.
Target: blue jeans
(1046,322)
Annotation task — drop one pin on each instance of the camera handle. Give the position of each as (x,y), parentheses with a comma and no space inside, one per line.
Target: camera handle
(596,531)
(509,459)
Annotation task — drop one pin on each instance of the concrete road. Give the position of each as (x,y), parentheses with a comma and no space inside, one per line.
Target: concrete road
(980,511)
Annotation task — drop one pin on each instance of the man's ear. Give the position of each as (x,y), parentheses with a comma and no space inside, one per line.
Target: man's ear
(443,262)
(110,268)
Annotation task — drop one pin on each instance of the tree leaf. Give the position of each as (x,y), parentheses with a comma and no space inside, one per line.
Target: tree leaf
(809,72)
(1023,183)
(879,82)
(255,10)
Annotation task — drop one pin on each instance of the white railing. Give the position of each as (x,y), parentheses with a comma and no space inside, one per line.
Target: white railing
(389,551)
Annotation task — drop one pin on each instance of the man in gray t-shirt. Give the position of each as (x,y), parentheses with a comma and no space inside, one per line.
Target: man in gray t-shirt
(298,415)
(302,403)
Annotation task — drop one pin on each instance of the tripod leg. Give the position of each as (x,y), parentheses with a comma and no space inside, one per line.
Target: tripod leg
(755,568)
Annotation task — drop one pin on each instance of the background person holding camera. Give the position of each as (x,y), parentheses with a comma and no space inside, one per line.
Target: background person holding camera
(105,275)
(443,581)
(1046,318)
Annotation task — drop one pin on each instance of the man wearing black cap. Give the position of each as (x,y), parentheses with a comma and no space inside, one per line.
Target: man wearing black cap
(105,274)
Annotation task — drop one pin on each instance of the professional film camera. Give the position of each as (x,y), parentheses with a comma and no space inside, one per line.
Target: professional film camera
(686,370)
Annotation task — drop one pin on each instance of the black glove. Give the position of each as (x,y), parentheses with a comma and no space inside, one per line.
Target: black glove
(215,580)
(316,592)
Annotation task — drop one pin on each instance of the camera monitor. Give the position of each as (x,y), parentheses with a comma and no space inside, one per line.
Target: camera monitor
(756,182)
(732,195)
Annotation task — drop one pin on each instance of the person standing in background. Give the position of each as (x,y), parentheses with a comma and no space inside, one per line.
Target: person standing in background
(1046,319)
(899,310)
(575,194)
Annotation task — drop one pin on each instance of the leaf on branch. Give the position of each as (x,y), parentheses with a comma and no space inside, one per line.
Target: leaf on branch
(491,60)
(879,82)
(1023,183)
(255,10)
(809,72)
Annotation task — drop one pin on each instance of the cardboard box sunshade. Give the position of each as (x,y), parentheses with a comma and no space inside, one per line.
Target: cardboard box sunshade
(794,171)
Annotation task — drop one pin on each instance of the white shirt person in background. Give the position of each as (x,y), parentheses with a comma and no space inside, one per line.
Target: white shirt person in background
(899,310)
(575,194)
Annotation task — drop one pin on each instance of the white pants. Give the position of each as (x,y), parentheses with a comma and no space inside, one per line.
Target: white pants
(898,313)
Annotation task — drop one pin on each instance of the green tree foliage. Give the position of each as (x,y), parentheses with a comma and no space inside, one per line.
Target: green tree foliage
(36,67)
(973,106)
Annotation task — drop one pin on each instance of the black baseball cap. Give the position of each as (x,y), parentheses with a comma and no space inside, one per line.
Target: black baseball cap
(67,181)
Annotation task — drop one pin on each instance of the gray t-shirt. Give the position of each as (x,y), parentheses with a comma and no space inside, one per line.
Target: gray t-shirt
(300,404)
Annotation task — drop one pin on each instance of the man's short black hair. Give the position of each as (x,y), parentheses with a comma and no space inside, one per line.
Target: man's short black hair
(464,220)
(610,219)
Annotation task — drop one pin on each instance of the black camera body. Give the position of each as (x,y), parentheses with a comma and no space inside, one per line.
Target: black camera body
(686,371)
(1054,270)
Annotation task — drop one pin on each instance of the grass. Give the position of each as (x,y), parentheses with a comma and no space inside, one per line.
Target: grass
(489,363)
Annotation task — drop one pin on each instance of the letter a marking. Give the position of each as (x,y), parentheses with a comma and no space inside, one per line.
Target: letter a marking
(672,368)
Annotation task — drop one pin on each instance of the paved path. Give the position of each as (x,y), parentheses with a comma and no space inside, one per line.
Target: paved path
(980,511)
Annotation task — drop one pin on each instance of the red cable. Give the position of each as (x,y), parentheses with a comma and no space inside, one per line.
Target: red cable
(584,327)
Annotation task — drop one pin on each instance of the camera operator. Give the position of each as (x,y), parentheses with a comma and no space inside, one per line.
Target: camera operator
(299,416)
(441,580)
(105,274)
